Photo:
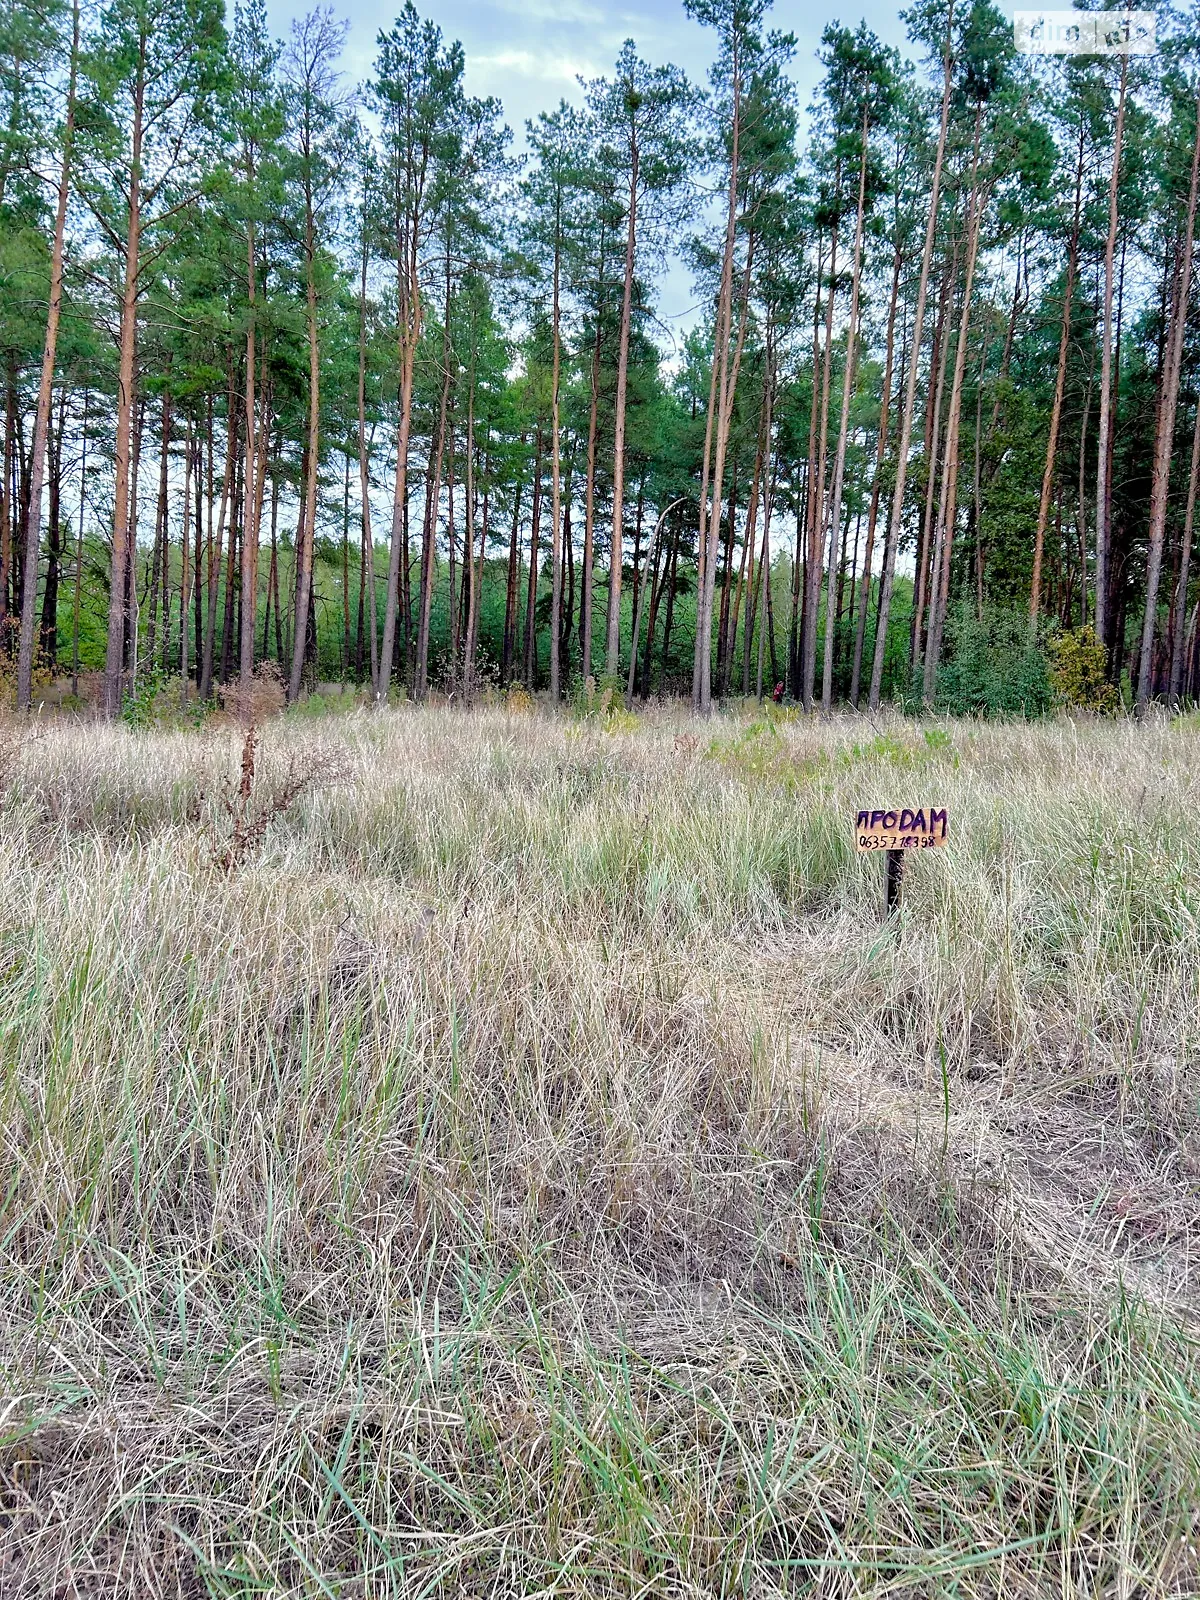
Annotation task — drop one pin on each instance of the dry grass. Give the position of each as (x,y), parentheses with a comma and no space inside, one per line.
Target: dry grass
(535,1171)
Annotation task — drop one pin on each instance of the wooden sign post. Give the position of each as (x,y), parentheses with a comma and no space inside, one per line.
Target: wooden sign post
(897,832)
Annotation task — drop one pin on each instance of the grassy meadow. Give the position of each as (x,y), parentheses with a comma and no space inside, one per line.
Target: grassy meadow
(493,1154)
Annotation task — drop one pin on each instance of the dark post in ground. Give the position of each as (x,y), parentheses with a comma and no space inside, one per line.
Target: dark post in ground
(895,872)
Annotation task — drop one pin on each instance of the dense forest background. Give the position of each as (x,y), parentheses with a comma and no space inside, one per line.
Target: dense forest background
(301,372)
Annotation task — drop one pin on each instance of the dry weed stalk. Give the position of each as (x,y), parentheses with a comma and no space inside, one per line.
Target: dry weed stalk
(254,804)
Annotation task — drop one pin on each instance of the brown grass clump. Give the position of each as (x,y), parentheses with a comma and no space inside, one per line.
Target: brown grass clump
(534,1170)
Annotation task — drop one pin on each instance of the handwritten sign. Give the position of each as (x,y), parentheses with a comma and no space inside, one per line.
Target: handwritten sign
(901,829)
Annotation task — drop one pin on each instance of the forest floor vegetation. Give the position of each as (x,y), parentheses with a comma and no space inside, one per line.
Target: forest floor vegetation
(492,1153)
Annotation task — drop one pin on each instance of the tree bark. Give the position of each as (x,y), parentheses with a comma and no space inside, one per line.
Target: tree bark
(640,603)
(78,581)
(308,521)
(617,554)
(410,318)
(726,579)
(709,525)
(1064,347)
(529,653)
(933,442)
(41,426)
(705,471)
(764,566)
(237,519)
(364,474)
(185,536)
(115,654)
(757,498)
(508,645)
(672,584)
(474,581)
(939,598)
(555,471)
(589,514)
(864,589)
(895,521)
(214,546)
(1165,435)
(727,394)
(1179,622)
(839,466)
(249,574)
(160,528)
(273,577)
(1103,476)
(48,626)
(816,519)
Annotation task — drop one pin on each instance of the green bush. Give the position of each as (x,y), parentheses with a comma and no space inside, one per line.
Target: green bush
(1078,663)
(156,700)
(993,667)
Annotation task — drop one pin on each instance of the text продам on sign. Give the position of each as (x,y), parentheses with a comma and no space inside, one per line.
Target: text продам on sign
(923,829)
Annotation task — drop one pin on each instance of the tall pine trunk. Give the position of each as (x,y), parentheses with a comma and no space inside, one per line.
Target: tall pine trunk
(529,652)
(864,589)
(816,519)
(1104,448)
(160,528)
(896,519)
(364,474)
(190,468)
(1165,435)
(589,503)
(839,466)
(410,316)
(308,521)
(1179,621)
(933,442)
(249,574)
(41,426)
(48,626)
(617,554)
(215,545)
(1064,347)
(940,596)
(114,659)
(555,472)
(473,575)
(709,528)
(432,501)
(705,471)
(640,602)
(508,644)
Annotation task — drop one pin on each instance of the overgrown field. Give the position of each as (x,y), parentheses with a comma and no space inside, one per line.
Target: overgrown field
(524,1165)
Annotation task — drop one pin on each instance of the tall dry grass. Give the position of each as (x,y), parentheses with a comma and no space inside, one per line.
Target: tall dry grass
(532,1169)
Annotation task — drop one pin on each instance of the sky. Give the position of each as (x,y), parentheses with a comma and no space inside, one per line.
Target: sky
(530,54)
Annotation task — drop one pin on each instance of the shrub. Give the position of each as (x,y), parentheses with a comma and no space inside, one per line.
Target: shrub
(601,700)
(1078,663)
(263,697)
(993,667)
(156,700)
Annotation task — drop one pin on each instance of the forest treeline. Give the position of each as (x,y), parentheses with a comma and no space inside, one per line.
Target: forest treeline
(325,374)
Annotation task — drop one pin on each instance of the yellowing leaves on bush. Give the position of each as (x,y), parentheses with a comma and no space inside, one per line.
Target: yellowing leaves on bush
(1078,662)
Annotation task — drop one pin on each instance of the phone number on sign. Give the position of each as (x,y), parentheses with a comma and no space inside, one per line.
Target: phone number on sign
(894,841)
